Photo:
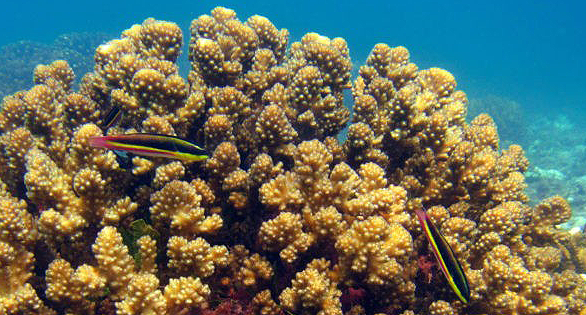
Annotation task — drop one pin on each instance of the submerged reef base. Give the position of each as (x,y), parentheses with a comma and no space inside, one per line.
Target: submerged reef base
(282,218)
(18,60)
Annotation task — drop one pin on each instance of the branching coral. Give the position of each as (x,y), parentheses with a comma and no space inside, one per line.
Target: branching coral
(518,290)
(17,235)
(179,203)
(282,217)
(195,257)
(250,270)
(374,252)
(313,290)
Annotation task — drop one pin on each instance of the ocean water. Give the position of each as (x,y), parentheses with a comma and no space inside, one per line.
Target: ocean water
(523,62)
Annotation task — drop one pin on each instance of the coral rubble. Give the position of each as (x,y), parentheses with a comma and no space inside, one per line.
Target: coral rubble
(283,218)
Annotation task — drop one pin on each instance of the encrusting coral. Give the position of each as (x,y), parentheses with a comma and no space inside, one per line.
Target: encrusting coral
(284,217)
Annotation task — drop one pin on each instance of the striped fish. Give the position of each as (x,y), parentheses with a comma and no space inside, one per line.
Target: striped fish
(154,145)
(112,117)
(445,257)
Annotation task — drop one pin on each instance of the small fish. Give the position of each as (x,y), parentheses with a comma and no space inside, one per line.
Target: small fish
(113,115)
(445,257)
(154,145)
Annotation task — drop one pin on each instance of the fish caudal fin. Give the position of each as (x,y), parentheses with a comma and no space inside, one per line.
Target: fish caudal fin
(422,216)
(98,142)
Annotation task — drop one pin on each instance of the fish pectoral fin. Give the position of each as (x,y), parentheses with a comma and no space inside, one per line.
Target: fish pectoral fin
(121,154)
(124,159)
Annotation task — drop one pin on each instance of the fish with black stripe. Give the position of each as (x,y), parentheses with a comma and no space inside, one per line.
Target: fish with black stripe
(445,257)
(152,145)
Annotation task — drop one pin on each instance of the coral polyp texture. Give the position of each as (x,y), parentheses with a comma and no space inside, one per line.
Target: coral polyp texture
(284,217)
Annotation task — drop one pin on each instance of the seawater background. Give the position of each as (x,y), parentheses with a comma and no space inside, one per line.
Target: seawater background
(522,61)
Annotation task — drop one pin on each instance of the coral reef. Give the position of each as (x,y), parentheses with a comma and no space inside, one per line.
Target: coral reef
(282,218)
(553,144)
(17,60)
(512,121)
(558,167)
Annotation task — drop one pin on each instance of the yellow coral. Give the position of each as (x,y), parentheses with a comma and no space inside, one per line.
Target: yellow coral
(49,185)
(114,262)
(92,283)
(224,160)
(373,249)
(313,290)
(161,39)
(16,223)
(148,254)
(516,289)
(12,114)
(58,70)
(15,144)
(250,270)
(61,287)
(24,301)
(143,297)
(441,308)
(16,267)
(186,293)
(284,233)
(264,304)
(282,192)
(179,204)
(166,173)
(196,256)
(273,127)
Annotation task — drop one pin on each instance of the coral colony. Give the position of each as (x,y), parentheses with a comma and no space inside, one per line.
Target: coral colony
(283,217)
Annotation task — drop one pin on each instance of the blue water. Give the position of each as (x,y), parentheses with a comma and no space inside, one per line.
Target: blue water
(533,52)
